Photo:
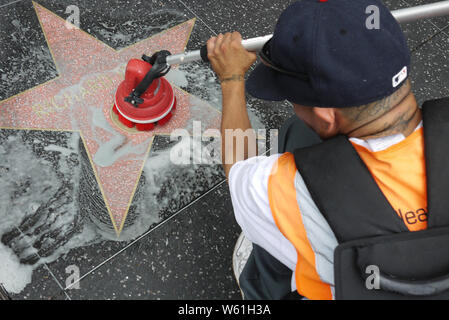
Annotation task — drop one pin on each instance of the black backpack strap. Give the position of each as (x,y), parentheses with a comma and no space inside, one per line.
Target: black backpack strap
(436,137)
(345,191)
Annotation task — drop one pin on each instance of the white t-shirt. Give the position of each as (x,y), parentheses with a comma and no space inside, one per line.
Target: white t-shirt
(248,184)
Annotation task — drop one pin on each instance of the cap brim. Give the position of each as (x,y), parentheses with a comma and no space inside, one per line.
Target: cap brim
(268,84)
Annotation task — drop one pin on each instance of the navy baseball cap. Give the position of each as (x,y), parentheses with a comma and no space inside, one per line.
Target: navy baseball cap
(331,54)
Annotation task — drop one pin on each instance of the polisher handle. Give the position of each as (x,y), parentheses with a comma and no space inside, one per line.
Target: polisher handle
(253,44)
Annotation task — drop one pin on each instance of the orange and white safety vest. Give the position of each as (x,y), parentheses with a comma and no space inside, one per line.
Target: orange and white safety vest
(400,173)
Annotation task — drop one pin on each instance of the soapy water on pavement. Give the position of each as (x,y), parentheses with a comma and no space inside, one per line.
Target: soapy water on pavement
(37,208)
(41,220)
(40,217)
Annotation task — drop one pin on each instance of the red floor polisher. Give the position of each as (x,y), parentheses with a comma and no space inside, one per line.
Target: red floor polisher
(145,99)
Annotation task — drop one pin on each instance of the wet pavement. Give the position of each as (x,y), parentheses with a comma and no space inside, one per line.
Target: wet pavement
(81,198)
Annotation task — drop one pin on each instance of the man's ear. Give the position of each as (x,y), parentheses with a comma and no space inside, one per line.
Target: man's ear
(328,120)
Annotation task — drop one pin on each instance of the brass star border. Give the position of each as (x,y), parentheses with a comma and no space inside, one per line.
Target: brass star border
(80,98)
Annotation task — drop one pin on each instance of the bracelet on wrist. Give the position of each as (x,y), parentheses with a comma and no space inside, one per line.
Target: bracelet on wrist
(234,77)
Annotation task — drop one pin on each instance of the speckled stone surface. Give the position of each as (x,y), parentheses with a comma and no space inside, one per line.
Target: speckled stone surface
(440,22)
(430,69)
(182,254)
(26,59)
(250,18)
(122,23)
(43,287)
(189,257)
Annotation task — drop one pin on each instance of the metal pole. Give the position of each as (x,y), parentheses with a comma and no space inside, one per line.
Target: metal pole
(253,44)
(436,9)
(430,10)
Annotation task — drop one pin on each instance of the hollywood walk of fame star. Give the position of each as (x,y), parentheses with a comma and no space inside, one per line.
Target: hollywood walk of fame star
(81,97)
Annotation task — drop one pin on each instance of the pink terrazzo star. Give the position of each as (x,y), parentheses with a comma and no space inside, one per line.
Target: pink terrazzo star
(89,73)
